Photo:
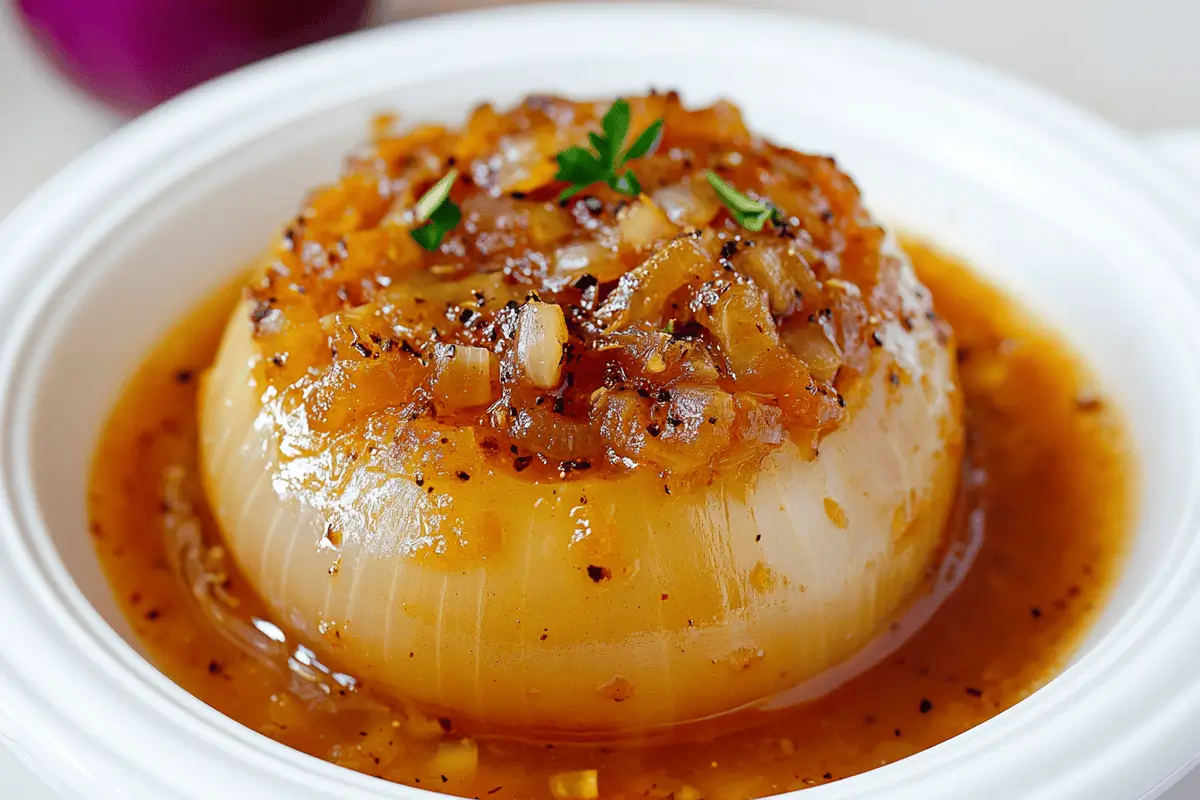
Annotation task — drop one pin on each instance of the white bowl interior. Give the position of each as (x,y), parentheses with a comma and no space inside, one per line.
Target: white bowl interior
(1027,207)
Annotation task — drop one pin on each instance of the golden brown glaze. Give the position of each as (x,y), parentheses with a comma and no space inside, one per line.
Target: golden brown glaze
(1037,536)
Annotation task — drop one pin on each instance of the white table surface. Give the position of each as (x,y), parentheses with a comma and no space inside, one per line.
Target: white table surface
(1134,63)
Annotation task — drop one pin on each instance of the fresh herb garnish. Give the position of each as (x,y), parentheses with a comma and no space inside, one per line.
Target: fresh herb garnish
(582,167)
(438,212)
(750,214)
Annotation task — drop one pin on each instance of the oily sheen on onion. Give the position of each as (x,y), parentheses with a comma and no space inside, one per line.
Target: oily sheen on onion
(600,469)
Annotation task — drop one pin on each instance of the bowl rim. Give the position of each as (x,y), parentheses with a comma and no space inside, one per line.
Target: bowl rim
(140,157)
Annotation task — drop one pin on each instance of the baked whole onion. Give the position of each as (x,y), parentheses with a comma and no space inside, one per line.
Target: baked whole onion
(602,469)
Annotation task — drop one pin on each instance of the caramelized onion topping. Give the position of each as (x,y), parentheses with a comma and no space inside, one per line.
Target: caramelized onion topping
(602,330)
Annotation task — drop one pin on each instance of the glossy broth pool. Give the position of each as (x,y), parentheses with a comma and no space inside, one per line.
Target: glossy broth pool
(1034,546)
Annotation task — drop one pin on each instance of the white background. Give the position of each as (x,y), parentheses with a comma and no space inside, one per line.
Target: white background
(1134,62)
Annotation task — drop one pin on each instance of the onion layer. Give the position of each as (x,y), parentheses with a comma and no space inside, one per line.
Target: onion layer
(596,608)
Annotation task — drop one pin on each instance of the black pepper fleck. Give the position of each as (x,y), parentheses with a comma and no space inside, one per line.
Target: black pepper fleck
(598,574)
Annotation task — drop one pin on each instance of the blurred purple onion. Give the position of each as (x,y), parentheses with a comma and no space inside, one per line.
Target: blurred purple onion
(133,54)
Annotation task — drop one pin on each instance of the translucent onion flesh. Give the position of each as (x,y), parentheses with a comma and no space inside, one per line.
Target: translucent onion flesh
(598,608)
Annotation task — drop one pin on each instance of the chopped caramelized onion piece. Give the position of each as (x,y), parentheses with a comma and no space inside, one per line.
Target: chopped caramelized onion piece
(644,292)
(642,223)
(683,432)
(688,204)
(478,135)
(698,427)
(524,163)
(659,358)
(764,265)
(548,224)
(810,343)
(541,336)
(349,332)
(464,376)
(757,421)
(388,250)
(556,437)
(722,121)
(741,323)
(575,260)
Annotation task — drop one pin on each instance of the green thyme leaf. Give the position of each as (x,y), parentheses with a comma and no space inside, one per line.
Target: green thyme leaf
(647,140)
(581,167)
(443,220)
(750,214)
(437,194)
(438,212)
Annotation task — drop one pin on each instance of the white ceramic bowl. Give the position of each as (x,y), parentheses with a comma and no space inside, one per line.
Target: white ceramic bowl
(1055,205)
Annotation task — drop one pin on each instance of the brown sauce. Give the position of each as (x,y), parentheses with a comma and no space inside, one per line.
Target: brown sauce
(1041,528)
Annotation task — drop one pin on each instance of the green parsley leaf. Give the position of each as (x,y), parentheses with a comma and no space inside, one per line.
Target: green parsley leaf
(625,184)
(750,214)
(601,146)
(582,167)
(438,212)
(578,166)
(616,123)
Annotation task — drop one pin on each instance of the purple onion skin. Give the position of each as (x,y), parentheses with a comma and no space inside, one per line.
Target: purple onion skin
(133,54)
